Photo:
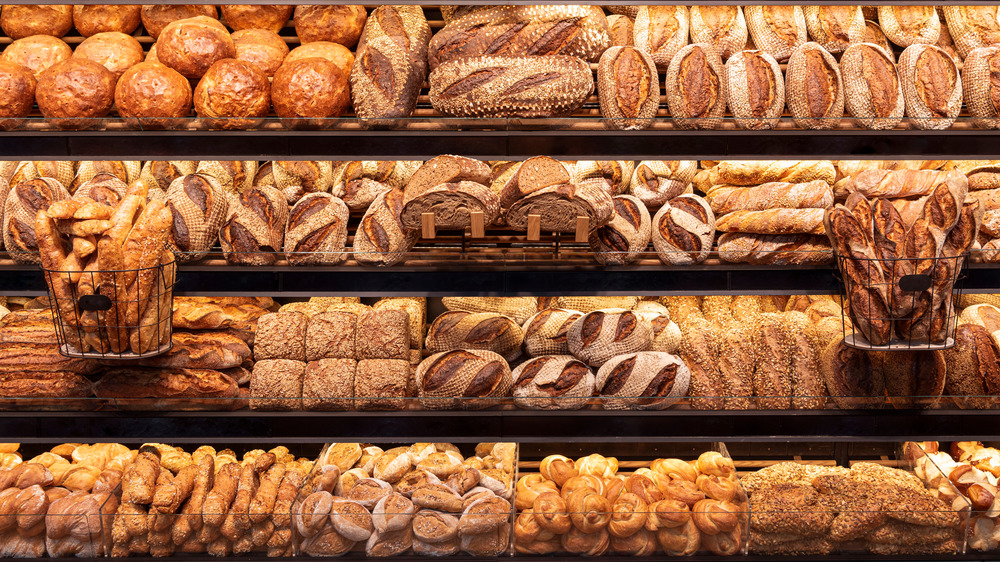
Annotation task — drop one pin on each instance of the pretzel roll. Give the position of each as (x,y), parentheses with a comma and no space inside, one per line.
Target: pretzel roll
(240,16)
(932,87)
(92,19)
(835,27)
(655,182)
(338,24)
(466,379)
(910,25)
(558,469)
(262,48)
(24,20)
(552,382)
(192,46)
(713,517)
(484,330)
(647,380)
(697,87)
(17,94)
(37,52)
(232,95)
(546,333)
(75,93)
(155,17)
(756,89)
(725,27)
(675,469)
(661,31)
(550,511)
(600,335)
(683,230)
(814,89)
(872,89)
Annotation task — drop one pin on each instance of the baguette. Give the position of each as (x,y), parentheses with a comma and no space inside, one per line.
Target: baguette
(773,221)
(973,27)
(697,87)
(725,27)
(756,172)
(756,89)
(910,25)
(628,88)
(727,199)
(774,249)
(777,30)
(814,88)
(661,31)
(835,27)
(981,91)
(893,184)
(932,86)
(872,90)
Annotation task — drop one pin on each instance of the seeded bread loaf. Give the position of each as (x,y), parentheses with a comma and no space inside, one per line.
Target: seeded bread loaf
(276,384)
(655,182)
(777,30)
(254,231)
(381,238)
(697,87)
(380,384)
(979,90)
(482,330)
(873,94)
(700,353)
(647,380)
(600,335)
(756,89)
(628,88)
(416,310)
(462,379)
(725,27)
(973,367)
(835,27)
(627,235)
(330,335)
(546,333)
(972,27)
(683,230)
(661,31)
(932,87)
(281,335)
(814,90)
(552,382)
(383,334)
(910,25)
(773,221)
(317,231)
(328,384)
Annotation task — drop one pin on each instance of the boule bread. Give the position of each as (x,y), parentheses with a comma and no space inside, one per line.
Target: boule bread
(973,27)
(359,182)
(814,89)
(254,231)
(873,94)
(24,200)
(981,93)
(518,308)
(621,29)
(725,27)
(317,231)
(851,378)
(235,176)
(683,230)
(666,333)
(483,330)
(199,206)
(655,182)
(546,333)
(297,178)
(755,88)
(647,380)
(910,25)
(381,238)
(627,235)
(628,88)
(835,27)
(661,31)
(915,379)
(777,30)
(462,379)
(552,382)
(697,87)
(600,335)
(932,86)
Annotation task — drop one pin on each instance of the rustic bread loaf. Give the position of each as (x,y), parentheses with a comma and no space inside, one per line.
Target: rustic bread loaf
(29,326)
(310,93)
(254,231)
(191,46)
(661,31)
(24,20)
(233,94)
(297,178)
(591,304)
(835,27)
(517,308)
(647,380)
(872,90)
(201,350)
(93,19)
(462,379)
(328,384)
(559,206)
(814,90)
(545,333)
(339,24)
(851,378)
(126,171)
(972,27)
(30,357)
(621,29)
(528,177)
(262,48)
(773,221)
(116,51)
(155,17)
(910,25)
(697,87)
(756,172)
(892,184)
(773,374)
(666,333)
(932,87)
(330,335)
(627,235)
(415,308)
(628,88)
(973,367)
(808,388)
(737,361)
(37,53)
(169,389)
(700,353)
(979,91)
(317,231)
(777,30)
(755,89)
(359,182)
(276,384)
(655,182)
(913,380)
(18,95)
(683,230)
(235,176)
(281,335)
(215,313)
(161,173)
(75,93)
(481,330)
(271,18)
(813,194)
(23,202)
(616,174)
(874,35)
(511,86)
(198,206)
(391,64)
(452,188)
(381,238)
(777,249)
(380,384)
(552,382)
(600,335)
(47,390)
(725,27)
(383,334)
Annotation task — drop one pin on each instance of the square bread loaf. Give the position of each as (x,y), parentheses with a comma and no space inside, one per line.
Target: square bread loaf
(383,334)
(281,335)
(276,384)
(380,384)
(328,384)
(415,307)
(331,335)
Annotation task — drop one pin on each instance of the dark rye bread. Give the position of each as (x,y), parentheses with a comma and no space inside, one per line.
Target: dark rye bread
(452,188)
(255,229)
(381,238)
(317,231)
(198,205)
(973,368)
(462,379)
(559,206)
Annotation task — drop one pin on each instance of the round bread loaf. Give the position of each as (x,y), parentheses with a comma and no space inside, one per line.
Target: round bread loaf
(37,53)
(627,235)
(683,230)
(91,19)
(462,379)
(309,93)
(546,333)
(235,176)
(381,238)
(17,94)
(518,308)
(616,174)
(973,368)
(755,88)
(103,188)
(232,95)
(115,50)
(852,378)
(628,88)
(155,94)
(600,335)
(333,52)
(910,25)
(155,17)
(317,230)
(24,201)
(339,24)
(191,46)
(647,380)
(814,89)
(24,20)
(483,330)
(666,334)
(161,173)
(199,206)
(62,171)
(697,87)
(75,93)
(260,47)
(655,182)
(725,27)
(590,304)
(242,16)
(552,382)
(913,380)
(777,30)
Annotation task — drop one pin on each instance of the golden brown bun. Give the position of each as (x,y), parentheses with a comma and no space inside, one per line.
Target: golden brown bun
(151,55)
(25,20)
(243,16)
(192,45)
(310,88)
(233,88)
(73,90)
(37,52)
(156,16)
(115,50)
(333,52)
(149,90)
(17,94)
(99,18)
(262,48)
(340,24)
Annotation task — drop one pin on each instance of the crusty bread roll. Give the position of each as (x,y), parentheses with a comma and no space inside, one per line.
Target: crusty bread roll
(75,93)
(552,382)
(261,47)
(91,19)
(24,20)
(910,25)
(462,379)
(317,231)
(600,335)
(17,94)
(661,31)
(725,27)
(655,182)
(777,30)
(155,17)
(115,50)
(482,330)
(232,95)
(628,88)
(835,27)
(755,88)
(309,93)
(647,380)
(697,87)
(546,333)
(627,234)
(165,109)
(333,52)
(37,53)
(339,24)
(932,86)
(191,46)
(270,17)
(814,90)
(683,230)
(978,89)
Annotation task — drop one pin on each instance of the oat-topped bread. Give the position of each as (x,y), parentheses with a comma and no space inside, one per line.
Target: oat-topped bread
(814,90)
(910,25)
(972,27)
(198,205)
(777,30)
(317,230)
(661,31)
(697,87)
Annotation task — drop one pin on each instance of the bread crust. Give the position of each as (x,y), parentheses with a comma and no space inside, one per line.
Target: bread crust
(697,87)
(339,24)
(628,87)
(269,17)
(814,88)
(910,25)
(982,91)
(932,86)
(872,89)
(17,95)
(756,90)
(725,27)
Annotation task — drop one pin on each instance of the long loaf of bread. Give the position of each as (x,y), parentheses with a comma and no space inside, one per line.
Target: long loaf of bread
(835,27)
(778,30)
(756,172)
(893,183)
(774,249)
(932,86)
(773,221)
(813,194)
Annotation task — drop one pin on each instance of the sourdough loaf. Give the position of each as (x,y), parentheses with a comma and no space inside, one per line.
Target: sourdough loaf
(383,334)
(773,221)
(755,89)
(381,238)
(873,94)
(559,206)
(235,176)
(666,333)
(591,304)
(331,335)
(628,88)
(973,27)
(24,201)
(317,231)
(627,235)
(198,206)
(169,389)
(452,188)
(774,249)
(359,183)
(462,379)
(518,308)
(835,27)
(725,27)
(913,380)
(661,31)
(416,310)
(600,335)
(528,177)
(980,92)
(254,231)
(874,35)
(482,330)
(31,357)
(161,173)
(851,378)
(621,29)
(655,182)
(697,87)
(552,382)
(973,367)
(777,30)
(380,384)
(545,333)
(910,25)
(892,184)
(932,87)
(281,335)
(647,380)
(616,174)
(216,313)
(30,326)
(683,230)
(296,178)
(814,88)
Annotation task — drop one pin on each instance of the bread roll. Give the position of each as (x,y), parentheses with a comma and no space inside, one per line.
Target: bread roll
(683,230)
(655,182)
(192,46)
(546,333)
(381,238)
(621,29)
(17,94)
(37,52)
(115,50)
(308,93)
(627,235)
(814,89)
(270,17)
(661,31)
(756,89)
(483,330)
(339,24)
(777,30)
(23,202)
(333,52)
(263,48)
(75,93)
(697,88)
(156,95)
(92,19)
(198,206)
(725,27)
(872,89)
(835,27)
(24,20)
(232,95)
(600,335)
(155,17)
(328,384)
(932,86)
(462,379)
(910,25)
(255,227)
(276,384)
(979,90)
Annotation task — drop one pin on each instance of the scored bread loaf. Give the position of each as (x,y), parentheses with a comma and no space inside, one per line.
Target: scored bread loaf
(910,25)
(201,350)
(700,353)
(511,86)
(813,194)
(777,30)
(359,182)
(756,172)
(755,89)
(932,87)
(552,382)
(517,308)
(874,35)
(913,380)
(23,202)
(482,330)
(451,187)
(655,182)
(621,29)
(104,188)
(317,231)
(590,304)
(616,174)
(559,206)
(296,178)
(545,333)
(462,379)
(979,90)
(973,367)
(972,27)
(808,388)
(773,221)
(628,88)
(254,231)
(850,376)
(873,94)
(598,336)
(528,177)
(62,171)
(774,249)
(391,64)
(891,184)
(835,27)
(161,173)
(725,27)
(627,235)
(235,176)
(381,238)
(199,206)
(647,380)
(661,31)
(814,88)
(125,170)
(683,230)
(697,87)
(666,333)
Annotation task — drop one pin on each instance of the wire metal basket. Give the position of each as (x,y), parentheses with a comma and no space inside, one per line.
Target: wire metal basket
(122,314)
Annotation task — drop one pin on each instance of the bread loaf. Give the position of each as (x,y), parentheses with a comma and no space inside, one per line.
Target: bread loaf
(383,334)
(774,249)
(529,177)
(380,384)
(168,389)
(808,388)
(126,171)
(276,384)
(700,352)
(655,182)
(255,228)
(391,64)
(615,174)
(737,361)
(973,367)
(328,384)
(415,308)
(508,86)
(262,48)
(330,335)
(872,90)
(31,357)
(777,30)
(30,326)
(339,24)
(666,333)
(980,92)
(559,206)
(310,93)
(359,182)
(892,184)
(814,89)
(932,86)
(591,304)
(155,17)
(697,87)
(600,335)
(116,51)
(233,94)
(191,46)
(756,172)
(281,335)
(93,19)
(683,230)
(517,308)
(47,390)
(24,20)
(913,380)
(207,313)
(725,27)
(756,89)
(552,382)
(204,350)
(75,93)
(577,31)
(773,221)
(661,31)
(381,238)
(235,176)
(851,378)
(297,178)
(773,375)
(482,330)
(628,87)
(835,27)
(627,235)
(621,29)
(727,199)
(647,380)
(545,333)
(452,188)
(317,231)
(462,379)
(973,27)
(23,202)
(874,35)
(198,206)
(18,96)
(910,25)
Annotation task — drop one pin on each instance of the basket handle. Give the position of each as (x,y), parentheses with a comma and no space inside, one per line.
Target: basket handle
(915,283)
(94,303)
